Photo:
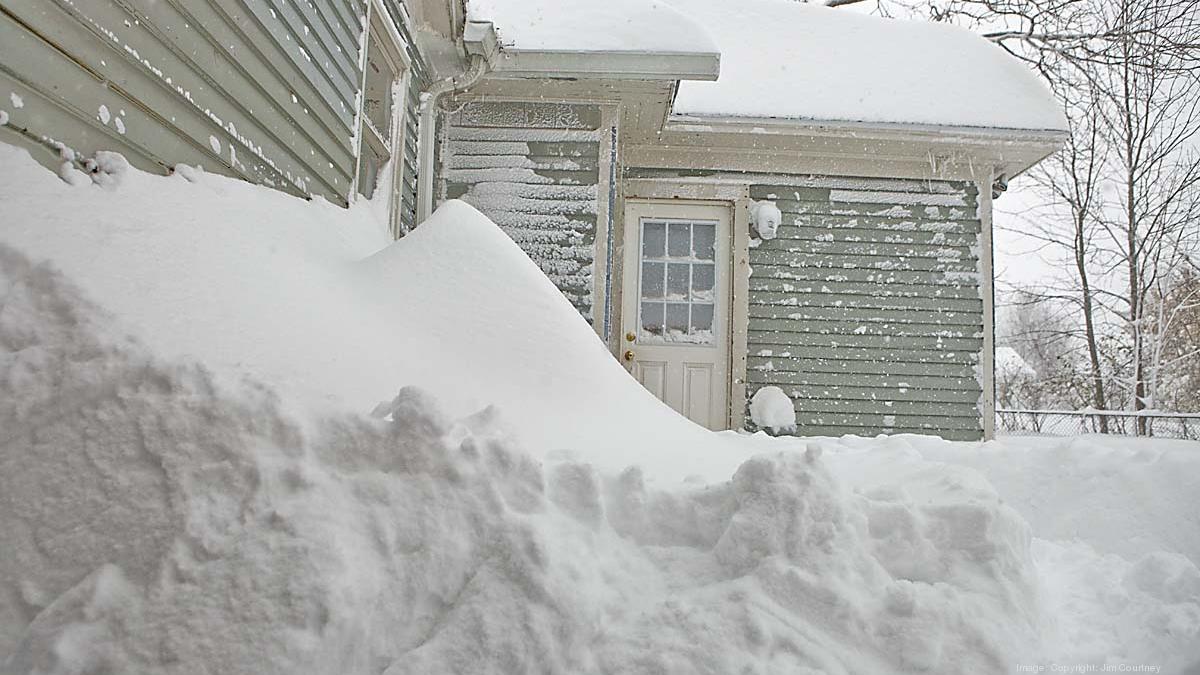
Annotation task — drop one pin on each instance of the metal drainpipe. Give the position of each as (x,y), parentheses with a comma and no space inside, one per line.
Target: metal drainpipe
(476,69)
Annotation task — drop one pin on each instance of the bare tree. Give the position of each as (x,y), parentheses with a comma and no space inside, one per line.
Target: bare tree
(1151,116)
(1124,191)
(1177,361)
(1049,374)
(1071,181)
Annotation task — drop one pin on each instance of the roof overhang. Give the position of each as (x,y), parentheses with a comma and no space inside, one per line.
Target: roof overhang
(620,65)
(884,148)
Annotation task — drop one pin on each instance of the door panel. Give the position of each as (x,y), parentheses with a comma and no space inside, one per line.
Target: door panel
(653,376)
(698,380)
(675,306)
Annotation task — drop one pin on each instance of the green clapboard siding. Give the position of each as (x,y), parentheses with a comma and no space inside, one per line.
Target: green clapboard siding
(264,90)
(534,169)
(866,309)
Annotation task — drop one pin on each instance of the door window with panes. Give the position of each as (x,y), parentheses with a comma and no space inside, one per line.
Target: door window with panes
(678,276)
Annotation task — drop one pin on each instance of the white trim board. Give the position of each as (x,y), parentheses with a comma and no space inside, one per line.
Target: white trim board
(609,65)
(987,291)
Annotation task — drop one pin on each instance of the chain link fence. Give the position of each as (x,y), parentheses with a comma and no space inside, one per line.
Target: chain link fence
(1068,423)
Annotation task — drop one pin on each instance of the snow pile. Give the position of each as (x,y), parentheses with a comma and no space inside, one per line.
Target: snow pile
(314,301)
(590,26)
(154,521)
(1108,609)
(247,514)
(1116,527)
(1124,496)
(770,408)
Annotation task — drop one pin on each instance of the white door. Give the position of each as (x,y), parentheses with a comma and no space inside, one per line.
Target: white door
(675,306)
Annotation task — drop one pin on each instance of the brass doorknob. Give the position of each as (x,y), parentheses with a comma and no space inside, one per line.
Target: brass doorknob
(630,336)
(628,355)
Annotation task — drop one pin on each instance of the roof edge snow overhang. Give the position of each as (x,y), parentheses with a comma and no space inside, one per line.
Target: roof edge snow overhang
(616,65)
(1011,151)
(799,126)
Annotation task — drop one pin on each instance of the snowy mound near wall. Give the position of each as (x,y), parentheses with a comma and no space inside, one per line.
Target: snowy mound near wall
(154,522)
(320,304)
(211,494)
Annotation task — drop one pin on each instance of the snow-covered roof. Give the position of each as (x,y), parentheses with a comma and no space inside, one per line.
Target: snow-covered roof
(786,59)
(782,58)
(592,26)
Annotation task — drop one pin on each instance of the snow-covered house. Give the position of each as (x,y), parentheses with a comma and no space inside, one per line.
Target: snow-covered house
(735,195)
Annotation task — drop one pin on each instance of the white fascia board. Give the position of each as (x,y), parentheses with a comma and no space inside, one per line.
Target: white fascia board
(517,63)
(1025,147)
(880,130)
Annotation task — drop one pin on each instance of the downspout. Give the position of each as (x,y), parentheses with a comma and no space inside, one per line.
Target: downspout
(479,41)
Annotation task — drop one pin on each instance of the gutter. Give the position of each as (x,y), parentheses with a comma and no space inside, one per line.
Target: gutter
(612,65)
(731,124)
(1013,151)
(481,46)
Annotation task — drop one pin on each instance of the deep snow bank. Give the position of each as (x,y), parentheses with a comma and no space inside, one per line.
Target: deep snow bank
(153,521)
(164,517)
(315,301)
(211,496)
(1114,523)
(1122,495)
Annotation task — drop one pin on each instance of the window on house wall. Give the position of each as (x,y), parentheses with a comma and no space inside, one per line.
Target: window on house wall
(379,130)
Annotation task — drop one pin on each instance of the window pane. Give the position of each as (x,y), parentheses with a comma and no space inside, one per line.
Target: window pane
(652,280)
(677,281)
(652,318)
(703,240)
(702,320)
(677,319)
(679,240)
(654,240)
(703,282)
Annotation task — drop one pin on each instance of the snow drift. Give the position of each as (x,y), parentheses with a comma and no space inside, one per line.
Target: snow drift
(211,494)
(314,301)
(155,522)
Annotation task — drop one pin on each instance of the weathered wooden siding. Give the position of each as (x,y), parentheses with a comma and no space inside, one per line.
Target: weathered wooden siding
(534,169)
(265,90)
(866,308)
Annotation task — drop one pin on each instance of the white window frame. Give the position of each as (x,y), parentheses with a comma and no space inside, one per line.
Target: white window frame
(380,26)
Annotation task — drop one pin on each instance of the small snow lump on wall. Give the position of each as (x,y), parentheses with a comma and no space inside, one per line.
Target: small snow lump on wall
(770,408)
(765,218)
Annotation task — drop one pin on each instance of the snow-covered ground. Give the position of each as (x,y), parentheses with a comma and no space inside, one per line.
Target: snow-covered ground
(241,433)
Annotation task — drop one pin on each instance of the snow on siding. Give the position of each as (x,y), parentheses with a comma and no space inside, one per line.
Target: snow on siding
(276,85)
(534,169)
(866,308)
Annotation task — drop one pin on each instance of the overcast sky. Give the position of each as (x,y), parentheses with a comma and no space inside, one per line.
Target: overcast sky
(1019,260)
